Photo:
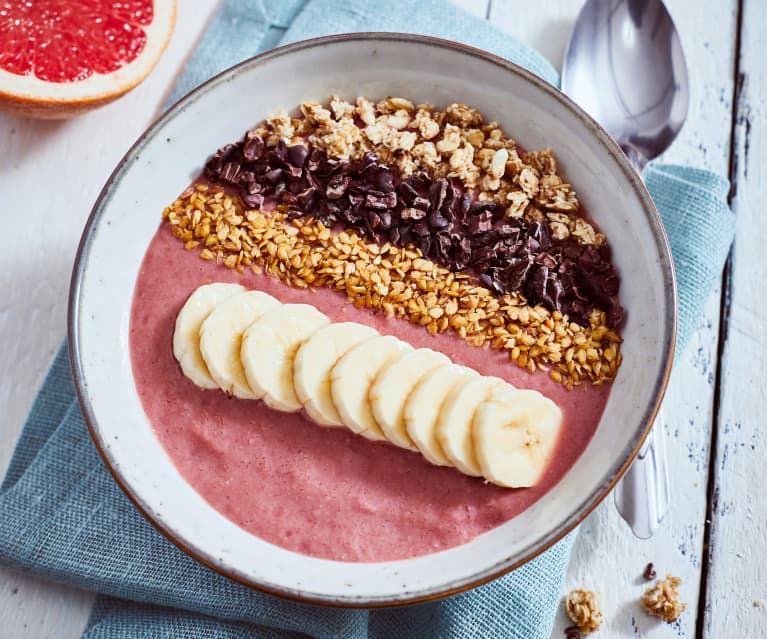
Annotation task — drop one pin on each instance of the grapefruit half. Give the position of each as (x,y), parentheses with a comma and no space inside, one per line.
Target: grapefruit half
(62,57)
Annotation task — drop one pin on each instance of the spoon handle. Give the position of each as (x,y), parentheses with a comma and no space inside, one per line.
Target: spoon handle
(642,496)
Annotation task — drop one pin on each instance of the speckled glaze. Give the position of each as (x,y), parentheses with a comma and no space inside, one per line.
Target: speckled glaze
(170,153)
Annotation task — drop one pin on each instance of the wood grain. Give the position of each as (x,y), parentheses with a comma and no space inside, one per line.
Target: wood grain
(736,596)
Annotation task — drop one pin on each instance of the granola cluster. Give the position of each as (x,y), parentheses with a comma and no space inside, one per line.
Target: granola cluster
(395,280)
(455,143)
(662,600)
(582,607)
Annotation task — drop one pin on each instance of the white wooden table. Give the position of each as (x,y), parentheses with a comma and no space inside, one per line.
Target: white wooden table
(716,533)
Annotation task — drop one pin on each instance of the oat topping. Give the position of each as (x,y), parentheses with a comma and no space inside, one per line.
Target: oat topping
(662,600)
(395,280)
(464,147)
(582,608)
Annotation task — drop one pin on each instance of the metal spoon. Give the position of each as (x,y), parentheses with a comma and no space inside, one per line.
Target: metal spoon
(624,65)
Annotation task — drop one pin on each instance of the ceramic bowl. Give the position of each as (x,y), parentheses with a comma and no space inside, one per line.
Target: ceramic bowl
(169,154)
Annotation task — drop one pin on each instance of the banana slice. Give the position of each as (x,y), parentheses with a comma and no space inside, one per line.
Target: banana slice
(392,387)
(269,346)
(455,419)
(221,338)
(186,336)
(313,363)
(350,381)
(515,432)
(423,406)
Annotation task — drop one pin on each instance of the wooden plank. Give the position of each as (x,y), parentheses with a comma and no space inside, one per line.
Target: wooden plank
(736,597)
(607,557)
(35,276)
(34,608)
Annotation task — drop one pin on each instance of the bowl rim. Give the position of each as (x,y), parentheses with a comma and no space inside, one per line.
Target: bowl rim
(618,469)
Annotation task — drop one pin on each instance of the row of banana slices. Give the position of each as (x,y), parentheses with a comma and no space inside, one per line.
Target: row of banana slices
(292,357)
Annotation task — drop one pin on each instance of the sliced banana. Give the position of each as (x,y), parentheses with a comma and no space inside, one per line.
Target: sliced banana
(423,407)
(186,335)
(350,381)
(269,346)
(455,419)
(314,361)
(515,432)
(392,387)
(250,345)
(221,339)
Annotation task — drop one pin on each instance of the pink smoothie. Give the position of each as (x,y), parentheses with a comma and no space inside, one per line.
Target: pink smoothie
(324,492)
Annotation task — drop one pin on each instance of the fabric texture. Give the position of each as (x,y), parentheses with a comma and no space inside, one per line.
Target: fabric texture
(63,518)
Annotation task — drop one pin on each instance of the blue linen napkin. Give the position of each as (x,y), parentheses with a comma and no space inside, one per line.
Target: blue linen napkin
(62,516)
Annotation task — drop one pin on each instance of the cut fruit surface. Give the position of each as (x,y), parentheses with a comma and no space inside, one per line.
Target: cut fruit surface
(221,339)
(314,361)
(269,346)
(515,432)
(186,336)
(61,57)
(352,376)
(423,406)
(392,387)
(455,420)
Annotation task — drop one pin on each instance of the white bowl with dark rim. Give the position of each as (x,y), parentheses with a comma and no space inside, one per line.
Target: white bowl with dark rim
(170,153)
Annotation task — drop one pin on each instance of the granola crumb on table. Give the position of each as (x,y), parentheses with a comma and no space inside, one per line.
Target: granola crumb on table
(582,607)
(662,599)
(398,281)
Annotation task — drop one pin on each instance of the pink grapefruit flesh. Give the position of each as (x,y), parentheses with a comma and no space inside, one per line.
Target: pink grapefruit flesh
(62,57)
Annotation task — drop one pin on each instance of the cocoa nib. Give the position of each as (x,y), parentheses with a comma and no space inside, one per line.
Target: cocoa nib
(447,224)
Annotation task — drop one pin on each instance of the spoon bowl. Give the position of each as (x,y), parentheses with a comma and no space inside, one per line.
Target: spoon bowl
(625,66)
